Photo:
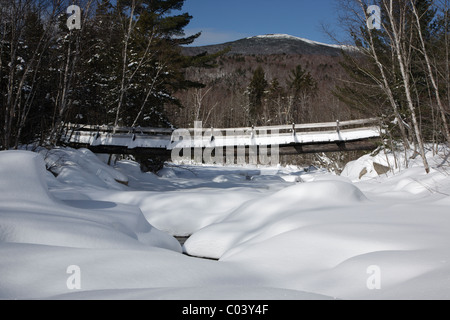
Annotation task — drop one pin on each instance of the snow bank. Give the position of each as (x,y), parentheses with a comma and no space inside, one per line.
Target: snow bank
(327,235)
(331,251)
(82,167)
(182,213)
(183,200)
(197,293)
(261,219)
(30,185)
(30,214)
(116,251)
(36,271)
(406,175)
(280,233)
(388,163)
(330,247)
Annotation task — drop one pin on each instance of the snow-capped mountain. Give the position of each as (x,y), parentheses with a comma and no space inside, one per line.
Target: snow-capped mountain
(289,37)
(273,44)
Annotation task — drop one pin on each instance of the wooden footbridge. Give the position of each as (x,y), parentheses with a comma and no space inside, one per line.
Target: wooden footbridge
(364,134)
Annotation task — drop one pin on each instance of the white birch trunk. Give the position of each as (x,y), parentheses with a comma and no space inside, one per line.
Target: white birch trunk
(398,43)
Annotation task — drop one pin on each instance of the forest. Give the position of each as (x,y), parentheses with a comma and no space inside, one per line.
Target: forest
(120,67)
(123,65)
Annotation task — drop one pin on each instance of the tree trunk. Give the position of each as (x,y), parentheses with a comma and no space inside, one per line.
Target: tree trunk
(431,75)
(385,86)
(123,88)
(398,37)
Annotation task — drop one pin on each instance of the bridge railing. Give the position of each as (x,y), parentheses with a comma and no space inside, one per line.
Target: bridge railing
(119,130)
(298,128)
(161,137)
(338,125)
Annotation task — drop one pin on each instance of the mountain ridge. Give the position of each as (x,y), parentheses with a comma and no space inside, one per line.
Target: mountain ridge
(271,44)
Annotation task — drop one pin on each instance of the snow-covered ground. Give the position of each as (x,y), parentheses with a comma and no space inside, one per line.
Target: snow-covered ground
(96,231)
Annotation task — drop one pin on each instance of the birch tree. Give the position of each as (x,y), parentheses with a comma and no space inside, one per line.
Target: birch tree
(124,83)
(398,22)
(372,66)
(435,88)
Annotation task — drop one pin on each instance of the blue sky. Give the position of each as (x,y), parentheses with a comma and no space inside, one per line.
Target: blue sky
(227,20)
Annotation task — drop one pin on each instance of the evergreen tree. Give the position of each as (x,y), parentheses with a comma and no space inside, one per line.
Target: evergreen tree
(100,66)
(276,101)
(50,75)
(302,86)
(151,62)
(257,90)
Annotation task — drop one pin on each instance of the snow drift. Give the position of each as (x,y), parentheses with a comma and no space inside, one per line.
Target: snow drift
(279,233)
(263,218)
(119,254)
(30,214)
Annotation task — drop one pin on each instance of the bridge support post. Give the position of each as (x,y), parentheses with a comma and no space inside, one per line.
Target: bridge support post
(98,133)
(198,141)
(212,134)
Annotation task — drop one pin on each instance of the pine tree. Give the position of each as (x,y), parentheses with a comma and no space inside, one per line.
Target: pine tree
(276,103)
(100,66)
(302,86)
(256,90)
(151,62)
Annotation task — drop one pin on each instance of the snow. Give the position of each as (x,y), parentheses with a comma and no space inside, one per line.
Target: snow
(31,214)
(82,167)
(127,140)
(267,217)
(198,293)
(289,37)
(276,232)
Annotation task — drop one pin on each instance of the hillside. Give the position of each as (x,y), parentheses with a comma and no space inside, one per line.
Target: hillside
(224,102)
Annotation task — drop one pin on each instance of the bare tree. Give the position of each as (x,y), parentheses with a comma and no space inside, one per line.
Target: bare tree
(123,83)
(446,10)
(16,17)
(150,90)
(402,51)
(372,66)
(198,96)
(63,103)
(430,72)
